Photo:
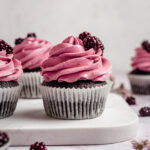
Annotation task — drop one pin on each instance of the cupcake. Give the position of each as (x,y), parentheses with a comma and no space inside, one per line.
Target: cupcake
(4,141)
(10,71)
(75,82)
(139,77)
(31,51)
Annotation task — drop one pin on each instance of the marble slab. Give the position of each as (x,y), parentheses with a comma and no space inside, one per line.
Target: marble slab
(30,123)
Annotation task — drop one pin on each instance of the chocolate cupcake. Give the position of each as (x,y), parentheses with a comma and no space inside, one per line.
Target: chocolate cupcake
(4,141)
(139,77)
(75,79)
(10,71)
(31,51)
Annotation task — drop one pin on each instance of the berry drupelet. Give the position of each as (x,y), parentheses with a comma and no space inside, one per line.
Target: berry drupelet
(130,100)
(18,41)
(6,47)
(144,111)
(38,146)
(3,138)
(31,35)
(146,46)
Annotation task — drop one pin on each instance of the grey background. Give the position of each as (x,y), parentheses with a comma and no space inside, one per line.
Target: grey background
(120,24)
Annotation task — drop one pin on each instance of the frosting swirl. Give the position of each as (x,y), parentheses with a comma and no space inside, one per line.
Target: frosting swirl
(141,60)
(10,68)
(69,62)
(32,52)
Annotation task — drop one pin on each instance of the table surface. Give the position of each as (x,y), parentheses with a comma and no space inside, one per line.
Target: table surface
(143,132)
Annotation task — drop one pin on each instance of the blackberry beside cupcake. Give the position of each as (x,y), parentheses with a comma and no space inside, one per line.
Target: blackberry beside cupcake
(10,71)
(4,141)
(31,51)
(140,75)
(75,79)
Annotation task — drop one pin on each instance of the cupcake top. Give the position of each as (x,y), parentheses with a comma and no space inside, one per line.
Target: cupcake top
(10,68)
(70,61)
(31,51)
(141,60)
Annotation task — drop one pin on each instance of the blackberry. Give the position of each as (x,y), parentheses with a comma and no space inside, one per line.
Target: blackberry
(38,146)
(18,41)
(3,45)
(146,45)
(3,138)
(31,35)
(131,100)
(6,47)
(144,111)
(84,35)
(9,50)
(92,42)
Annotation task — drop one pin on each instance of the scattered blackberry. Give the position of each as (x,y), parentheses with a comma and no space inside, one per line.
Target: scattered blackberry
(31,35)
(3,138)
(38,146)
(3,45)
(131,100)
(144,111)
(18,41)
(92,42)
(146,46)
(84,35)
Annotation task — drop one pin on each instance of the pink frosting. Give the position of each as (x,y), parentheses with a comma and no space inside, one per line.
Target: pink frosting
(32,52)
(69,62)
(142,60)
(10,68)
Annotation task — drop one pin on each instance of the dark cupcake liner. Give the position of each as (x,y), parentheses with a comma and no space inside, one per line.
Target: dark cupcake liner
(75,103)
(31,82)
(140,84)
(8,100)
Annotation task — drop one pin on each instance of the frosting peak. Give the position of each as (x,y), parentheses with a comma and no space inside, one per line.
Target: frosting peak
(10,68)
(70,62)
(32,52)
(73,40)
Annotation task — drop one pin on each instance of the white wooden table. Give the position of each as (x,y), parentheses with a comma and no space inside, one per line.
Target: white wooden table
(143,133)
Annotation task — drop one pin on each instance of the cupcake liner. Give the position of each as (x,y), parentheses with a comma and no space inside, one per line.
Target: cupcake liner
(8,100)
(5,147)
(140,84)
(75,103)
(31,82)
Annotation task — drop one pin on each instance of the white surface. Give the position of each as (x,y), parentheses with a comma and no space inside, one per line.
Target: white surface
(143,132)
(121,24)
(30,124)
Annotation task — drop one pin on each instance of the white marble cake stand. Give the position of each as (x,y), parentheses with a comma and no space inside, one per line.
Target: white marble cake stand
(29,124)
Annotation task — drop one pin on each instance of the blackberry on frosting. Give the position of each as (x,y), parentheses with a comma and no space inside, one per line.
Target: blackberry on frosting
(84,35)
(146,45)
(90,41)
(6,47)
(31,35)
(18,41)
